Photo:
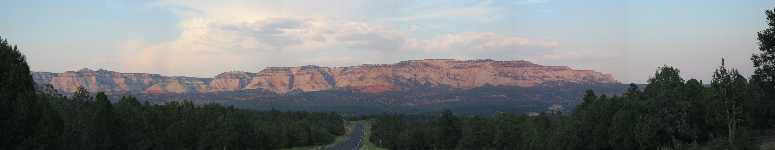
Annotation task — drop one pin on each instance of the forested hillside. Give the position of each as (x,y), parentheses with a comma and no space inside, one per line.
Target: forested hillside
(486,100)
(45,120)
(669,113)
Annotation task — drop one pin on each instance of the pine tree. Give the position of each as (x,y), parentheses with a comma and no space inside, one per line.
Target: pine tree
(448,130)
(81,94)
(25,121)
(104,122)
(764,74)
(731,94)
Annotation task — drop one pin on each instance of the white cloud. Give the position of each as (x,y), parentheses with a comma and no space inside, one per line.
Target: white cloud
(220,36)
(480,12)
(530,2)
(482,41)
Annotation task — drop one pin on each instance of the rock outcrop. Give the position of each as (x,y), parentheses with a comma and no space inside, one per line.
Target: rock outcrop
(460,74)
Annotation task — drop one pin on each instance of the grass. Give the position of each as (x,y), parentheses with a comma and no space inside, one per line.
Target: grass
(367,145)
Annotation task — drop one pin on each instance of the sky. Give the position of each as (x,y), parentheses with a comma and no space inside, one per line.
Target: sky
(626,38)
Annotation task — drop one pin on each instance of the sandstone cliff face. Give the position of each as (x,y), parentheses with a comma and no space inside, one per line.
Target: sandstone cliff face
(230,81)
(462,74)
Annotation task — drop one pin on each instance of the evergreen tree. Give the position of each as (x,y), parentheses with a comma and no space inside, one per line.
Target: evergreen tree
(477,133)
(508,134)
(764,74)
(131,130)
(730,95)
(104,122)
(25,122)
(697,100)
(81,94)
(448,130)
(633,91)
(669,105)
(584,119)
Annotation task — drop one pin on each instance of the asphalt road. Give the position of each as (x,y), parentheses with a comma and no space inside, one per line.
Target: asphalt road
(354,142)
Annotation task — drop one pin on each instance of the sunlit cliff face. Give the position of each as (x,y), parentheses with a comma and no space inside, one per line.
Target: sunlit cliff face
(459,74)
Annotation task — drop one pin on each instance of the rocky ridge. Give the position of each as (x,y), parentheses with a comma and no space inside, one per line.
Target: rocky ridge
(460,74)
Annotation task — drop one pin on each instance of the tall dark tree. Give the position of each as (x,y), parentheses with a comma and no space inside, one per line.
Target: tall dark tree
(584,118)
(22,121)
(696,97)
(477,133)
(666,100)
(16,82)
(16,91)
(764,74)
(730,92)
(104,122)
(448,130)
(133,124)
(665,84)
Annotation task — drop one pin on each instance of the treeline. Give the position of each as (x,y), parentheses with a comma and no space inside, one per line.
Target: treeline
(41,120)
(669,113)
(447,131)
(485,100)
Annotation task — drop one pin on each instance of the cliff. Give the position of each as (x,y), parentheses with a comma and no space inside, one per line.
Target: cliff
(459,74)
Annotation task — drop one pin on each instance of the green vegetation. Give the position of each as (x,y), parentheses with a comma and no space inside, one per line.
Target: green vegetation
(670,113)
(39,120)
(25,122)
(763,78)
(485,100)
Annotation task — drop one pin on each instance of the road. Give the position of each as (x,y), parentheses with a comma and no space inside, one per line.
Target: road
(354,141)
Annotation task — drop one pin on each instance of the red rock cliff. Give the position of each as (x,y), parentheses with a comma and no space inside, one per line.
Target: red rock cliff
(463,74)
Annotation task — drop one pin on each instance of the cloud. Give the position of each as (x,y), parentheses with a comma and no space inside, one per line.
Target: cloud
(482,41)
(530,2)
(576,56)
(274,33)
(217,37)
(480,11)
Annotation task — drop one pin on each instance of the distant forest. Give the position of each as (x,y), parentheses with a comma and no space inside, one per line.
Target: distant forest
(31,119)
(485,100)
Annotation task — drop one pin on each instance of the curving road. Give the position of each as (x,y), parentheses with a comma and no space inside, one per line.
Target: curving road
(354,141)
